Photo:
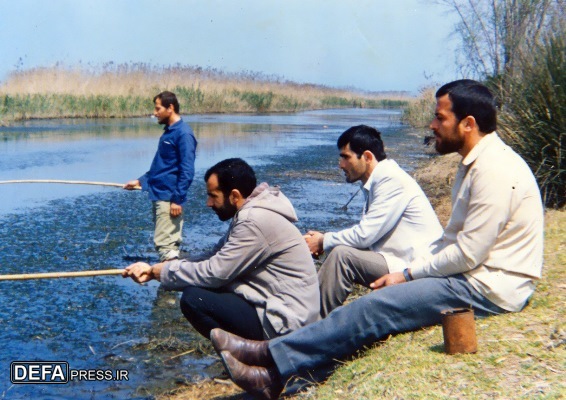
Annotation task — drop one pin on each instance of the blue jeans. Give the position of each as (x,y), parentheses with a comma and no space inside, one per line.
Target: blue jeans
(314,349)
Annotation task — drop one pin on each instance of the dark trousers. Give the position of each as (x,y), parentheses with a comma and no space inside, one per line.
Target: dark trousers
(207,309)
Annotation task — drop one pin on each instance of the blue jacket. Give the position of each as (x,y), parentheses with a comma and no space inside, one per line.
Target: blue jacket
(173,167)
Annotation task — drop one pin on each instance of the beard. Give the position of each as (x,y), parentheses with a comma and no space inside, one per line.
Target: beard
(447,145)
(225,212)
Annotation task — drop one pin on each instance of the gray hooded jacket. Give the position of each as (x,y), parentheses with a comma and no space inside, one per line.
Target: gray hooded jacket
(263,258)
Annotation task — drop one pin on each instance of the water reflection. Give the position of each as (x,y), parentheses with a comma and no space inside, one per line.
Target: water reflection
(120,150)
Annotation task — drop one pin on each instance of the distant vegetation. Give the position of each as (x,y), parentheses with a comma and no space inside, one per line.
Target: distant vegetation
(126,90)
(419,112)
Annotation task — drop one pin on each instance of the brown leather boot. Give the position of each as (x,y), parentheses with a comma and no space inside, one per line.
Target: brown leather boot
(261,382)
(250,352)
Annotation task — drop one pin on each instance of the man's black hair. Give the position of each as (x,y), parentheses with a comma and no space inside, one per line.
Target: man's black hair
(168,98)
(233,173)
(362,138)
(469,97)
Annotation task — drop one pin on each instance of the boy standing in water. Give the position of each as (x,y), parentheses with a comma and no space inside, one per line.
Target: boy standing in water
(170,176)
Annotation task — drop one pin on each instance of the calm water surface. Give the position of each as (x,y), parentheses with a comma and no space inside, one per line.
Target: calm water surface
(111,323)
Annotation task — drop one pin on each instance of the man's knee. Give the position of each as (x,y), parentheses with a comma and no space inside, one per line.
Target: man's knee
(342,260)
(339,257)
(341,252)
(191,300)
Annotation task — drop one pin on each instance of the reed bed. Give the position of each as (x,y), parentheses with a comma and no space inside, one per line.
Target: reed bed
(419,111)
(126,90)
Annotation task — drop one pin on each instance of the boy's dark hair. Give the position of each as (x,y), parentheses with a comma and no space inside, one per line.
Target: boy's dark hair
(233,173)
(469,97)
(362,138)
(168,98)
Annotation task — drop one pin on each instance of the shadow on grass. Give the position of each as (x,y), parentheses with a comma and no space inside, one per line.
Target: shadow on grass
(437,348)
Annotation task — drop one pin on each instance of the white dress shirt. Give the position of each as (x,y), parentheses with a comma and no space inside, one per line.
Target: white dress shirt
(495,232)
(398,221)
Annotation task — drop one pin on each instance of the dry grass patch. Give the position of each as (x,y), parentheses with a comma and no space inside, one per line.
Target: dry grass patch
(209,389)
(126,91)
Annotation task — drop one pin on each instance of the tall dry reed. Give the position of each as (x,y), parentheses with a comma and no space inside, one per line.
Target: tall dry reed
(419,112)
(534,116)
(127,89)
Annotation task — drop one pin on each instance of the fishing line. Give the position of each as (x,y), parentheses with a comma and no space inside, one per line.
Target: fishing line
(345,206)
(120,185)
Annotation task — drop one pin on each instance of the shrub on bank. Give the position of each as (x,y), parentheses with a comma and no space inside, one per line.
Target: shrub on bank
(419,111)
(533,120)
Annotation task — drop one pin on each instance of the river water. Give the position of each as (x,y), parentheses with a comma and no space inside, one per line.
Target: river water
(110,323)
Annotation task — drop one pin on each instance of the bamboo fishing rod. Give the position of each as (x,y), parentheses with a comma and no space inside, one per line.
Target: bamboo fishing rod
(53,275)
(120,185)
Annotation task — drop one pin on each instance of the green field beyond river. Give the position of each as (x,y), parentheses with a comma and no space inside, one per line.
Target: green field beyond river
(110,323)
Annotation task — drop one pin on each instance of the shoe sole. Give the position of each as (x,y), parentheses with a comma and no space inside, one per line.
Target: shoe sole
(226,367)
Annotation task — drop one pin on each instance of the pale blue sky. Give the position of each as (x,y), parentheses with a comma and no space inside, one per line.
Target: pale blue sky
(368,44)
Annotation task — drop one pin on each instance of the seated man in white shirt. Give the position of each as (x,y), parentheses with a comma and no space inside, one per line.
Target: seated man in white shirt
(397,226)
(488,259)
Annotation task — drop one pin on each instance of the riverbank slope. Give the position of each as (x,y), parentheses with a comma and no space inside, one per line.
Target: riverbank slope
(520,355)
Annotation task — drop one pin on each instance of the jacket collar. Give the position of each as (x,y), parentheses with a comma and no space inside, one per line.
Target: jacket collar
(167,128)
(380,168)
(484,143)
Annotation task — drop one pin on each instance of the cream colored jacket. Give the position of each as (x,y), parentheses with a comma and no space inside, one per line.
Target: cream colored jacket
(398,221)
(495,232)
